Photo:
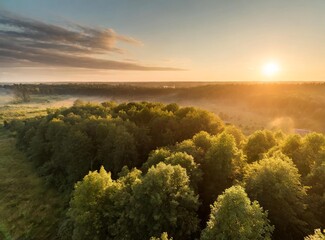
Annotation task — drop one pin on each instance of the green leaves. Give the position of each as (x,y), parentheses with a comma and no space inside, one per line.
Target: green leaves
(257,144)
(69,142)
(234,216)
(275,183)
(164,202)
(134,206)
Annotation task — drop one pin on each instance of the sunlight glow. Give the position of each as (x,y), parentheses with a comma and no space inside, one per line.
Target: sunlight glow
(271,69)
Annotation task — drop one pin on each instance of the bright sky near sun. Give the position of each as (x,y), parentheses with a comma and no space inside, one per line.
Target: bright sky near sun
(162,40)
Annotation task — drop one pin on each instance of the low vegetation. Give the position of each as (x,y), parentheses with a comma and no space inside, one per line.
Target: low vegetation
(28,208)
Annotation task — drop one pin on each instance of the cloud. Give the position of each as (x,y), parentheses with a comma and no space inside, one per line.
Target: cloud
(27,41)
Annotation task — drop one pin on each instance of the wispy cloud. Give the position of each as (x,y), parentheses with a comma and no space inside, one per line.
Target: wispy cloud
(26,41)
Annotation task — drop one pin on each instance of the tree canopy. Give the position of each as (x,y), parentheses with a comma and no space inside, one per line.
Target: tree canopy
(275,183)
(234,216)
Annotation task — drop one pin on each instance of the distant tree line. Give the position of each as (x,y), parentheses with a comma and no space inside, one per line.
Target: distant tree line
(303,102)
(156,171)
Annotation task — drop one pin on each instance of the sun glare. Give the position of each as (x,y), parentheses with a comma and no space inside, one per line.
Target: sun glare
(271,69)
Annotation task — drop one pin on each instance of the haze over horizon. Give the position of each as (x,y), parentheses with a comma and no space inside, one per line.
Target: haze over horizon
(183,40)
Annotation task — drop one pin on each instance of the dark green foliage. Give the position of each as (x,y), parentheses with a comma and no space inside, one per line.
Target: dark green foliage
(316,194)
(220,166)
(21,92)
(188,159)
(118,149)
(69,142)
(234,217)
(257,144)
(292,147)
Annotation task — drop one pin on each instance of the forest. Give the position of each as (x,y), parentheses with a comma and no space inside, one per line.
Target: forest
(162,120)
(149,170)
(251,106)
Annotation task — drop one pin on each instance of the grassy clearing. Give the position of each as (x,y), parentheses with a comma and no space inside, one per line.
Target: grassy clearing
(28,208)
(9,110)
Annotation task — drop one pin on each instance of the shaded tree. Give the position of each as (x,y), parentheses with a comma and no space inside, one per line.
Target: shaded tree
(21,92)
(318,235)
(316,193)
(220,163)
(257,144)
(275,183)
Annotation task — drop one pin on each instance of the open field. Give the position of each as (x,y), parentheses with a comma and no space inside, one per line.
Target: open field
(28,208)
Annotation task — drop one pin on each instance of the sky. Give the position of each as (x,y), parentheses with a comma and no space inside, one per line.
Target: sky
(161,40)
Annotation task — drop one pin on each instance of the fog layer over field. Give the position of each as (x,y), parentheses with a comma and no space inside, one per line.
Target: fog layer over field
(249,106)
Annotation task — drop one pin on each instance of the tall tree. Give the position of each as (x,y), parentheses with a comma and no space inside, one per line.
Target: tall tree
(275,183)
(164,202)
(219,166)
(234,217)
(86,208)
(257,144)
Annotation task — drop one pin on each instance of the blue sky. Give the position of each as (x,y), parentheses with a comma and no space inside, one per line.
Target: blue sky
(212,40)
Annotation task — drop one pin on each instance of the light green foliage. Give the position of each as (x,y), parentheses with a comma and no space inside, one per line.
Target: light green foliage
(177,158)
(292,147)
(189,147)
(275,183)
(318,235)
(155,157)
(117,204)
(134,207)
(164,236)
(312,145)
(86,206)
(186,161)
(305,151)
(257,144)
(236,133)
(234,217)
(203,140)
(68,142)
(164,202)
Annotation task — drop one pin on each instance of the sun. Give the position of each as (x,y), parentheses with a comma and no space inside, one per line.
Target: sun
(270,69)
